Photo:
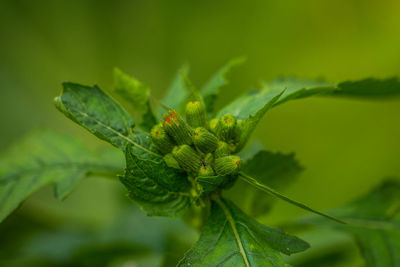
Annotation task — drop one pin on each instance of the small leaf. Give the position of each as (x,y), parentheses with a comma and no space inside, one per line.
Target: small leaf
(137,95)
(273,169)
(157,188)
(231,238)
(210,183)
(44,158)
(176,93)
(210,89)
(273,192)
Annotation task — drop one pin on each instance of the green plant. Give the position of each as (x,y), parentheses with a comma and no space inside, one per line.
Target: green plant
(184,166)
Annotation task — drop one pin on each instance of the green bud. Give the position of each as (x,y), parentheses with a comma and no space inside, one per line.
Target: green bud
(222,150)
(239,130)
(177,128)
(213,125)
(187,158)
(196,114)
(171,161)
(226,127)
(227,165)
(205,141)
(209,159)
(160,139)
(206,171)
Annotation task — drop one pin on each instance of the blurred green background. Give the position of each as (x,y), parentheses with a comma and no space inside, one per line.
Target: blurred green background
(347,146)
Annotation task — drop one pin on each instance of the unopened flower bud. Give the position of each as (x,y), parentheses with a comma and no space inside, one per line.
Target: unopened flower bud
(160,139)
(177,128)
(196,114)
(213,125)
(187,158)
(206,171)
(209,159)
(222,150)
(226,127)
(227,165)
(205,141)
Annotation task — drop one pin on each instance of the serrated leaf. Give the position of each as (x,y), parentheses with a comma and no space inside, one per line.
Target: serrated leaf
(43,158)
(273,169)
(157,188)
(176,93)
(250,180)
(137,96)
(210,89)
(369,88)
(231,238)
(98,113)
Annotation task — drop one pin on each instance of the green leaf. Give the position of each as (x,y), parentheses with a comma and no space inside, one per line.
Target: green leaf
(369,88)
(275,193)
(157,188)
(176,93)
(273,169)
(231,238)
(137,95)
(97,112)
(210,89)
(44,158)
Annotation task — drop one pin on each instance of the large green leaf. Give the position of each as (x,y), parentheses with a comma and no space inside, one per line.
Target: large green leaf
(276,170)
(97,112)
(136,95)
(44,158)
(157,188)
(373,223)
(210,89)
(231,238)
(176,93)
(367,88)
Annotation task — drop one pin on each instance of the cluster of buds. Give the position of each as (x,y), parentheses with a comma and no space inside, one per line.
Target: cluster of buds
(199,147)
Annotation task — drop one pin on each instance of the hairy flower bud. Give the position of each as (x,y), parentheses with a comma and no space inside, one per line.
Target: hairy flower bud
(160,139)
(227,165)
(205,141)
(226,127)
(187,158)
(213,125)
(206,171)
(222,150)
(196,114)
(177,128)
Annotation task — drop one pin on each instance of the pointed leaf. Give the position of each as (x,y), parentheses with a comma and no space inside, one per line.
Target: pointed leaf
(137,96)
(210,89)
(157,188)
(275,193)
(44,158)
(176,93)
(273,169)
(231,238)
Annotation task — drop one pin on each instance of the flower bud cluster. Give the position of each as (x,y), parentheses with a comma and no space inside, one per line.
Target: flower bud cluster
(199,147)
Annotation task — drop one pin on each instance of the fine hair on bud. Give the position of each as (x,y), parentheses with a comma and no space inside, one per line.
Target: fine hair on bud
(226,127)
(222,150)
(187,158)
(228,165)
(204,141)
(196,115)
(161,140)
(177,128)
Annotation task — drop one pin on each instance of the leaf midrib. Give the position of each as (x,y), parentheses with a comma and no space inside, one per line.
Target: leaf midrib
(231,221)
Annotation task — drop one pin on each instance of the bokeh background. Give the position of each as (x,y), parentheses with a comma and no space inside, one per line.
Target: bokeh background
(347,146)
